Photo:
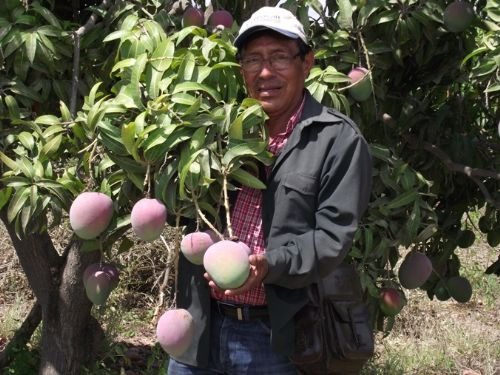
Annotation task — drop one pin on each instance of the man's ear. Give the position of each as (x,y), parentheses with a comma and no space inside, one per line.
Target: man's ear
(308,62)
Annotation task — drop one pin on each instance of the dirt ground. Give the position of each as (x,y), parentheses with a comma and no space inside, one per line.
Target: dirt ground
(420,327)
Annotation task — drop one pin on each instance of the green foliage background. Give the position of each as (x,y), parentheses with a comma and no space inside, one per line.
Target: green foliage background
(130,103)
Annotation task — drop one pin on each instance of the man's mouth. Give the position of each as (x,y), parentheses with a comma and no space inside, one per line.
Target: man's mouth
(268,90)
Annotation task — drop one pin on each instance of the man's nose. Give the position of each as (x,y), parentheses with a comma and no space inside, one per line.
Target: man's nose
(266,69)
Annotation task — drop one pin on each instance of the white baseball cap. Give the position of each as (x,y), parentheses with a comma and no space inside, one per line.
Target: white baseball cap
(274,18)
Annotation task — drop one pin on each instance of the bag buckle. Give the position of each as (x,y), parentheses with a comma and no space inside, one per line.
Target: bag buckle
(239,313)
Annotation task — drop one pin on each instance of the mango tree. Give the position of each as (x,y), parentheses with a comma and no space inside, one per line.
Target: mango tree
(120,98)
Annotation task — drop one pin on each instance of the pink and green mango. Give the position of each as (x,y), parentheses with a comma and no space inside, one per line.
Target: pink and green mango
(458,15)
(221,18)
(98,287)
(148,218)
(192,17)
(391,301)
(414,270)
(362,88)
(194,245)
(90,214)
(174,331)
(227,264)
(108,268)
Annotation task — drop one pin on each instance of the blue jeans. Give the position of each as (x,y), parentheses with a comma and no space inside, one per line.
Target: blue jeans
(238,348)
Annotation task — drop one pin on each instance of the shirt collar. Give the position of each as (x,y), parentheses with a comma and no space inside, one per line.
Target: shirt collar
(294,119)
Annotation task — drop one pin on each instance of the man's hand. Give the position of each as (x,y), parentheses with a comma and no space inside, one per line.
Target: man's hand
(258,270)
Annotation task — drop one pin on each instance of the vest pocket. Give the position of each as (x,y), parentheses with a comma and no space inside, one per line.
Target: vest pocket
(300,183)
(296,201)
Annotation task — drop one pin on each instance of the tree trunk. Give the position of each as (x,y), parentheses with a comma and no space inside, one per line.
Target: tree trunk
(70,335)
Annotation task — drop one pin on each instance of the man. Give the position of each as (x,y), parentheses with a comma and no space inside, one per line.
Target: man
(300,228)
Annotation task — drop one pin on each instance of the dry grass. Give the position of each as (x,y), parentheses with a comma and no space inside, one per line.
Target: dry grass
(434,337)
(429,337)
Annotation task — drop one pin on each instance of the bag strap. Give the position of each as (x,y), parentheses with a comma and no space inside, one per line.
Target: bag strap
(320,288)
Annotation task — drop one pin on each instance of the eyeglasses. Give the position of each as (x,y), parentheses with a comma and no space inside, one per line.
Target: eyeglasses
(278,61)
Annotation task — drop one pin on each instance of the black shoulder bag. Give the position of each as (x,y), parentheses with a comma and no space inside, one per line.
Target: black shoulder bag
(333,332)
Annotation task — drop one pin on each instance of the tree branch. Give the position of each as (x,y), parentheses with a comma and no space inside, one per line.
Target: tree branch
(446,160)
(472,173)
(89,25)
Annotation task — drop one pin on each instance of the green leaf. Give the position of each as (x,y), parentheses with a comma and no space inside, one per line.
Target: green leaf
(119,34)
(184,99)
(5,194)
(95,115)
(21,89)
(128,138)
(157,152)
(137,180)
(8,162)
(169,196)
(164,178)
(129,22)
(47,47)
(185,163)
(493,88)
(12,106)
(383,17)
(194,86)
(380,152)
(49,30)
(52,130)
(26,167)
(57,190)
(30,44)
(65,113)
(123,64)
(426,233)
(26,215)
(47,14)
(155,31)
(236,129)
(38,167)
(4,30)
(163,55)
(16,181)
(47,120)
(247,179)
(111,138)
(403,200)
(27,140)
(345,14)
(198,139)
(52,146)
(185,31)
(152,81)
(140,65)
(14,41)
(17,202)
(90,100)
(186,69)
(128,164)
(250,148)
(413,222)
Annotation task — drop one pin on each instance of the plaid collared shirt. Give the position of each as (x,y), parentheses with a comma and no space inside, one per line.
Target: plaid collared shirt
(247,216)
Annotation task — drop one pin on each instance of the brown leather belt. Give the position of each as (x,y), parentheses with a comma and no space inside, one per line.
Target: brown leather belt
(241,312)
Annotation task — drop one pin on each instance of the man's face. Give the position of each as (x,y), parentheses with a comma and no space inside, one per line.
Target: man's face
(279,90)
